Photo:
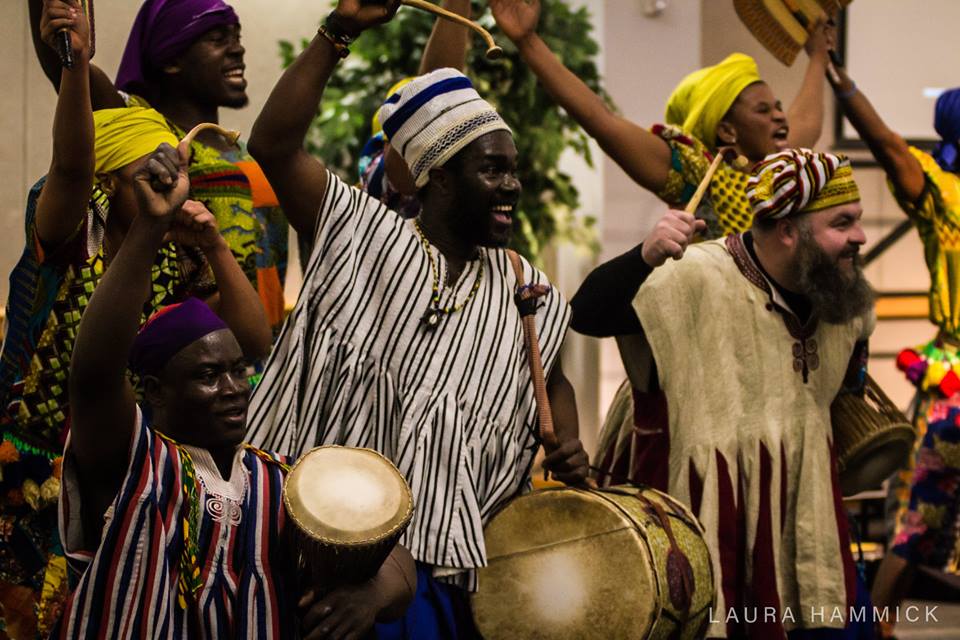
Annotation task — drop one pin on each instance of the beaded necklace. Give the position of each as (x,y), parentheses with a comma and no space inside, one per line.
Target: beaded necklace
(431,317)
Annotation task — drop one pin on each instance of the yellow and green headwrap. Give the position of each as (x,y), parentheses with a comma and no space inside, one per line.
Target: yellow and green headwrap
(127,134)
(702,98)
(800,181)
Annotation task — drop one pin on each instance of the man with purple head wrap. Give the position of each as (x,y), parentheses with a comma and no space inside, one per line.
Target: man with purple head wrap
(164,29)
(927,188)
(180,510)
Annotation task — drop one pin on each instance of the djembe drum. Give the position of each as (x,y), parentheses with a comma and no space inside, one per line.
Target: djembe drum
(613,563)
(348,507)
(871,436)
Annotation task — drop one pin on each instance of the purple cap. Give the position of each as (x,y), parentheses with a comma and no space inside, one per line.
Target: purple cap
(162,30)
(168,331)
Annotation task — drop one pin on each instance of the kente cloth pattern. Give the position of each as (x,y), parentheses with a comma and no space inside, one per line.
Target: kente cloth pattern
(703,97)
(936,215)
(451,406)
(926,529)
(796,181)
(750,437)
(233,188)
(127,586)
(725,208)
(49,290)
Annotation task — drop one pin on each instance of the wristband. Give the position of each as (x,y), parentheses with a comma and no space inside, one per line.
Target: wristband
(341,49)
(849,93)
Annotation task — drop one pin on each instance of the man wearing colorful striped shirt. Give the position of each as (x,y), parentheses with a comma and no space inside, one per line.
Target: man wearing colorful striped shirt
(189,519)
(406,338)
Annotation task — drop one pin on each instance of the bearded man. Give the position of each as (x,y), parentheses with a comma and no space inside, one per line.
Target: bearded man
(753,337)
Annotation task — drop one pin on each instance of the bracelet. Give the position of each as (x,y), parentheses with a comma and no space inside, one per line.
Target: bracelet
(335,28)
(342,50)
(849,93)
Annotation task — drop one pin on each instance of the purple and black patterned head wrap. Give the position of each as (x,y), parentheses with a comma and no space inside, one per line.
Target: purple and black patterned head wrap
(162,30)
(946,120)
(168,331)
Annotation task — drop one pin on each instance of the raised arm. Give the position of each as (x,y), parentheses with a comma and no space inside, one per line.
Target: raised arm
(887,146)
(62,204)
(102,404)
(103,94)
(603,305)
(447,46)
(642,155)
(276,142)
(805,114)
(236,301)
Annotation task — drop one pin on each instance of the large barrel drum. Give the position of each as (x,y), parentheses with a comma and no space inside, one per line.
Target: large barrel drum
(613,563)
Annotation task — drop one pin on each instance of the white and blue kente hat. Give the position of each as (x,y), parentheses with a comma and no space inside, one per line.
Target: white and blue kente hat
(433,117)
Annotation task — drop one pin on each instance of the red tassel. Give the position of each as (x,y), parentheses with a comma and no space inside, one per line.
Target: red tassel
(950,384)
(907,358)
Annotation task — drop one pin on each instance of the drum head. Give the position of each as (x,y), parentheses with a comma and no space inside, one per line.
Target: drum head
(567,563)
(344,496)
(866,467)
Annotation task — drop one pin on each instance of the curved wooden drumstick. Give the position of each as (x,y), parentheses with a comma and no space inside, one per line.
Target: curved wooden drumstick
(739,163)
(183,147)
(493,51)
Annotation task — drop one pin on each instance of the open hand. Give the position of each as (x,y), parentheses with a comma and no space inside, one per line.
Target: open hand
(670,237)
(347,613)
(65,14)
(356,16)
(568,462)
(516,18)
(162,184)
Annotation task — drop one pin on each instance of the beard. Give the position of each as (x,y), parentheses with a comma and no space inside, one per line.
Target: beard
(837,296)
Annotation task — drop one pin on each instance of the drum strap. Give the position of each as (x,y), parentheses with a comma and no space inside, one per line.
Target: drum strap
(525,298)
(680,576)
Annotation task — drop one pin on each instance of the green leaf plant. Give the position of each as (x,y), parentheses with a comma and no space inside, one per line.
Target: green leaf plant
(542,130)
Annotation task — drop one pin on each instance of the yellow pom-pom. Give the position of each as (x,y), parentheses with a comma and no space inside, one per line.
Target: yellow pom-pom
(50,490)
(31,494)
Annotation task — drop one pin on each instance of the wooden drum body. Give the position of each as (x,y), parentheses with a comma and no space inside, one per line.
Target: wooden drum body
(573,563)
(871,436)
(348,508)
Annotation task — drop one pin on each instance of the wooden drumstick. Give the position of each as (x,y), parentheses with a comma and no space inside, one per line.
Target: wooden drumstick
(183,147)
(493,51)
(739,163)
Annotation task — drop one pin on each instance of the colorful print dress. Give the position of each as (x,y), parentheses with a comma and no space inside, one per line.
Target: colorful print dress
(926,491)
(49,290)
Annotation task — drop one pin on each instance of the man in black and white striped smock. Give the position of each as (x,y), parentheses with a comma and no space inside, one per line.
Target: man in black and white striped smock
(406,337)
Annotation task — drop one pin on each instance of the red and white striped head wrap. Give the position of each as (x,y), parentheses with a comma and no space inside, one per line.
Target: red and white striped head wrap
(800,181)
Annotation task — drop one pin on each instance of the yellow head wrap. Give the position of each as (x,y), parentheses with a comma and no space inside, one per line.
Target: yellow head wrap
(702,98)
(125,135)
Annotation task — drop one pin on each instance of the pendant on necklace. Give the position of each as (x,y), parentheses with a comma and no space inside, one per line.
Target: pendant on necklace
(431,318)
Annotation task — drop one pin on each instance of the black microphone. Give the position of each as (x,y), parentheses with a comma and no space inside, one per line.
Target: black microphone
(65,48)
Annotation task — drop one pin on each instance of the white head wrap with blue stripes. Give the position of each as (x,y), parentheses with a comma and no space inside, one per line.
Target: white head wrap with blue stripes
(433,117)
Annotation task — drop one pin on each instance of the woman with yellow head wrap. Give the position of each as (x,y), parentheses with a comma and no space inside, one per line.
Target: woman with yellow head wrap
(723,105)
